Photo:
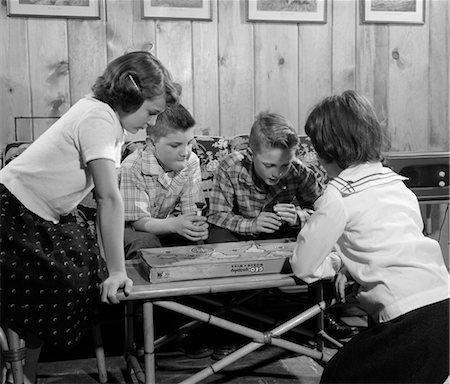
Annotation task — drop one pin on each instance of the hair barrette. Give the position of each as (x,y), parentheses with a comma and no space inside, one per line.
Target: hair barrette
(134,83)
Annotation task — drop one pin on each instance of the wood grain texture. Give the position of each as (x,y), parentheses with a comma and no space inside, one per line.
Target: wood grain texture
(343,47)
(205,41)
(49,70)
(276,70)
(87,55)
(408,87)
(174,48)
(314,67)
(236,77)
(15,92)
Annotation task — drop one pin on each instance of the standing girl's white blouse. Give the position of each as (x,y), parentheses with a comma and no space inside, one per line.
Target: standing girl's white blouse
(51,177)
(374,223)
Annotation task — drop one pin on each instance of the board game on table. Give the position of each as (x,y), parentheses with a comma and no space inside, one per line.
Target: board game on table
(216,260)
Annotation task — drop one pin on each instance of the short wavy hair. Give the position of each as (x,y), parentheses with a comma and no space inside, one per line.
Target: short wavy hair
(174,118)
(345,129)
(132,78)
(272,130)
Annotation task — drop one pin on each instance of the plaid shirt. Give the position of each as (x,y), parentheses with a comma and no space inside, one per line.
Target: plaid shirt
(148,191)
(238,196)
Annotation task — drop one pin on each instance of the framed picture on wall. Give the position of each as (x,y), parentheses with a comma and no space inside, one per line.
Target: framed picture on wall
(394,11)
(177,9)
(295,11)
(54,8)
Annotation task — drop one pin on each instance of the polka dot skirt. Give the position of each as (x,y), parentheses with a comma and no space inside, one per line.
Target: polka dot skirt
(50,274)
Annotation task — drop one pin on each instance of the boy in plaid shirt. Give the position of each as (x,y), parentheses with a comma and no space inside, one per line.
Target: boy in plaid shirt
(263,191)
(159,177)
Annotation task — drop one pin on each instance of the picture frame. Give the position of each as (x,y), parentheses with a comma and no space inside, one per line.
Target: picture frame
(177,9)
(294,11)
(85,9)
(394,11)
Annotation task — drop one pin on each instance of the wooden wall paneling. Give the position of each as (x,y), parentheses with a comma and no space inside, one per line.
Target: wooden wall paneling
(14,74)
(125,29)
(142,39)
(235,68)
(366,54)
(408,87)
(143,31)
(276,69)
(372,58)
(344,45)
(174,49)
(49,70)
(314,66)
(87,55)
(439,100)
(119,21)
(206,75)
(381,69)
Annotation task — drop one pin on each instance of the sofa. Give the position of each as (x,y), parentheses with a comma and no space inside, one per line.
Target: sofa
(210,150)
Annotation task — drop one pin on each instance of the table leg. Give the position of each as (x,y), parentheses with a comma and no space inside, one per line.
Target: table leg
(129,327)
(149,347)
(320,323)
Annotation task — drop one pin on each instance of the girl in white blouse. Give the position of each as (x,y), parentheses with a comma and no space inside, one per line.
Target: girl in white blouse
(372,221)
(53,273)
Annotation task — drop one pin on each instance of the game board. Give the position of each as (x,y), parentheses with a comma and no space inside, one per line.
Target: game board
(216,260)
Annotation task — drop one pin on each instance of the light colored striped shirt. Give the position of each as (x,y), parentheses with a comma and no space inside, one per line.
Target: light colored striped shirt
(149,191)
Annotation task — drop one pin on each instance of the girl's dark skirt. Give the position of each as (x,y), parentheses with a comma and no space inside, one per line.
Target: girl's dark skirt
(50,274)
(412,348)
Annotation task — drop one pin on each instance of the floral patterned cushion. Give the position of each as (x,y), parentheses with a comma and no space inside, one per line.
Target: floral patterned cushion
(210,150)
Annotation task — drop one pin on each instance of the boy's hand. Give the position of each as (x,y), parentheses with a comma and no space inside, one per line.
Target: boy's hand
(287,213)
(267,222)
(191,226)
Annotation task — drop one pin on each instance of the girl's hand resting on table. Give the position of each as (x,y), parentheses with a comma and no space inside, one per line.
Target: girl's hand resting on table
(191,226)
(115,281)
(267,222)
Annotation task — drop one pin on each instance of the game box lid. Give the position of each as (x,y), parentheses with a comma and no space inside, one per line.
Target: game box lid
(216,260)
